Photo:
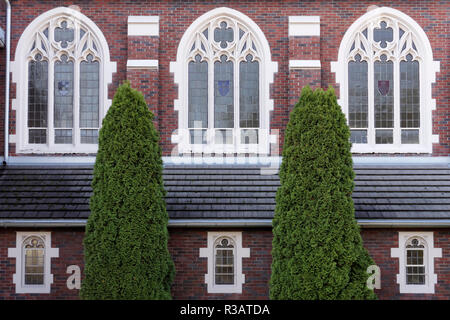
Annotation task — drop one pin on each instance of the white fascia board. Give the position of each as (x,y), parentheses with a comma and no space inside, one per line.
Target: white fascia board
(304,64)
(143,25)
(142,64)
(304,26)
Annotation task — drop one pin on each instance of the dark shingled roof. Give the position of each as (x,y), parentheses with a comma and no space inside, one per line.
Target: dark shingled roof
(382,192)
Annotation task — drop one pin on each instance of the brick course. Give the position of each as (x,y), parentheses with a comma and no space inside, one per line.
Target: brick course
(184,246)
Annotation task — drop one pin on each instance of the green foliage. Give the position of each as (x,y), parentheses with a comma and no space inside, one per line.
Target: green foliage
(317,248)
(126,253)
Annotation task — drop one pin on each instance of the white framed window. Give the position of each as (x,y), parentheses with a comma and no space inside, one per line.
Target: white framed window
(385,69)
(223,71)
(62,69)
(224,253)
(416,255)
(33,253)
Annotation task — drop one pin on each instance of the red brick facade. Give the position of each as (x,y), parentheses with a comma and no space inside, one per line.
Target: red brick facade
(271,16)
(189,282)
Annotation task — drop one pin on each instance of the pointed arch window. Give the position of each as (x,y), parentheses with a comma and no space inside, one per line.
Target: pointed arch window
(223,69)
(62,69)
(385,71)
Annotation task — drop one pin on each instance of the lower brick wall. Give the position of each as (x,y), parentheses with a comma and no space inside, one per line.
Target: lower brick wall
(189,281)
(379,243)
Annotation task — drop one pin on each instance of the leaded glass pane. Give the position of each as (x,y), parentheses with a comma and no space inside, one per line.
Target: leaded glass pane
(358,93)
(38,136)
(223,94)
(198,94)
(223,136)
(358,136)
(63,99)
(223,34)
(63,136)
(415,269)
(64,34)
(384,93)
(89,136)
(383,34)
(249,136)
(224,263)
(410,136)
(37,100)
(89,93)
(249,93)
(409,94)
(197,136)
(384,137)
(34,262)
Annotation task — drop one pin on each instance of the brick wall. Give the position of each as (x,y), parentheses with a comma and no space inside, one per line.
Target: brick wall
(379,243)
(70,244)
(184,245)
(272,18)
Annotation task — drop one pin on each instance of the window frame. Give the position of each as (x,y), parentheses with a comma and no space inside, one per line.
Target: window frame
(19,254)
(267,68)
(239,253)
(427,72)
(430,253)
(19,70)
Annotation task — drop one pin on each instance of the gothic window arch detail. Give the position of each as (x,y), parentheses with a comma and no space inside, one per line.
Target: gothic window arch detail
(223,71)
(224,252)
(62,69)
(33,254)
(385,69)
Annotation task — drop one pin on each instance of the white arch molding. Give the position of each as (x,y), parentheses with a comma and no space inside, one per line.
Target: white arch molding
(267,69)
(19,70)
(428,69)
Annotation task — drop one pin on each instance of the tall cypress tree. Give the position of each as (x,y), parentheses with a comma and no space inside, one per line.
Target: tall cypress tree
(126,253)
(317,248)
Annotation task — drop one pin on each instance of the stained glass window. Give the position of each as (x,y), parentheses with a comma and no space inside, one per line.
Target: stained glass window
(198,100)
(37,100)
(409,99)
(34,251)
(249,100)
(383,85)
(64,90)
(384,99)
(89,100)
(358,99)
(223,100)
(63,100)
(223,88)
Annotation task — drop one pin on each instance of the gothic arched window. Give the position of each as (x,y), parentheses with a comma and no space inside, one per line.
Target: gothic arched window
(62,70)
(223,69)
(385,69)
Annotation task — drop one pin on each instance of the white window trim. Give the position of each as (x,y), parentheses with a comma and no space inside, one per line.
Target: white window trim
(17,252)
(19,71)
(239,254)
(429,255)
(180,69)
(428,70)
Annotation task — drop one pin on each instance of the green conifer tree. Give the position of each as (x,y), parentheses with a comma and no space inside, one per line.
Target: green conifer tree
(317,247)
(125,245)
